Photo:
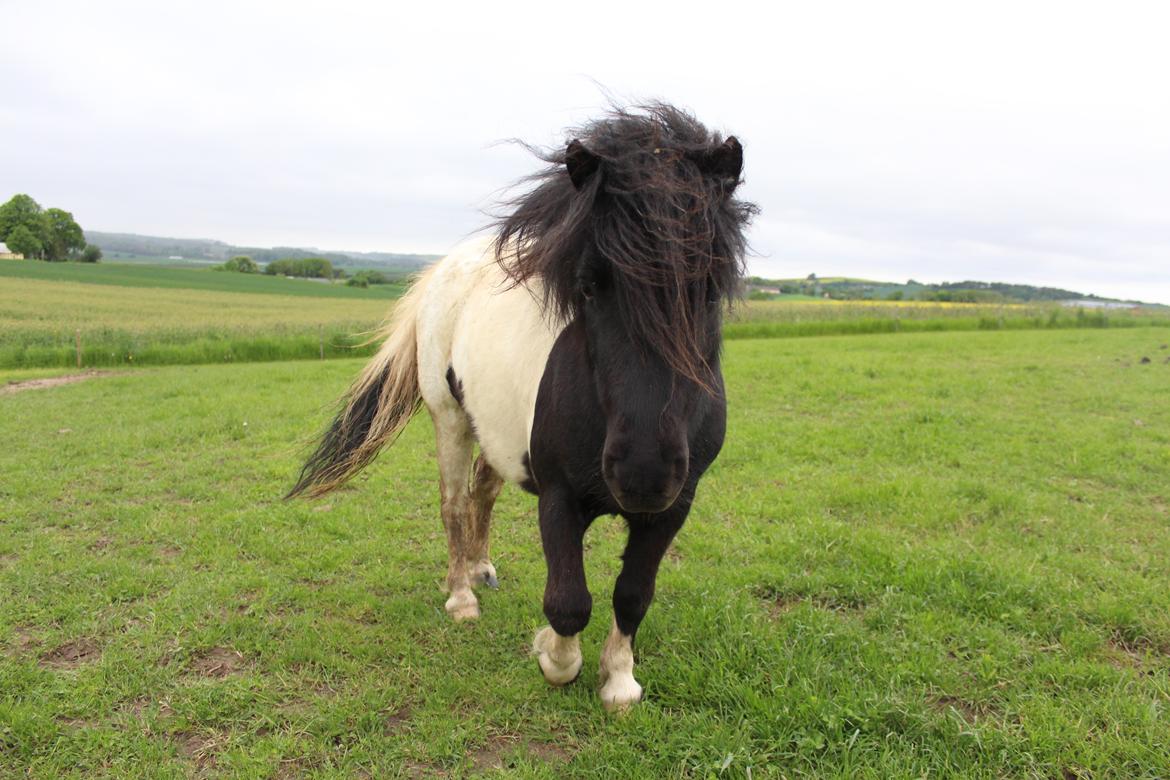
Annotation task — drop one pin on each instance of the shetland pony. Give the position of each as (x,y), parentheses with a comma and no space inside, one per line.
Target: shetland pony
(579,348)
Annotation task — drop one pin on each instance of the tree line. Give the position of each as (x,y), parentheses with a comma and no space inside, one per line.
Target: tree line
(43,234)
(305,268)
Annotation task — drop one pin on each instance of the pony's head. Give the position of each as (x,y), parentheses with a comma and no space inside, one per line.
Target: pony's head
(634,230)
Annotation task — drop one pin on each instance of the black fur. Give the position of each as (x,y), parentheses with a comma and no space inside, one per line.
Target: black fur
(347,431)
(638,241)
(641,200)
(455,385)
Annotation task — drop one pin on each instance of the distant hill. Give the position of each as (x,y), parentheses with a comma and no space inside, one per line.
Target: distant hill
(132,246)
(840,288)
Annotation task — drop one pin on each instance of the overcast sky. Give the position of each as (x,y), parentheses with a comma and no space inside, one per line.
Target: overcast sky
(1022,141)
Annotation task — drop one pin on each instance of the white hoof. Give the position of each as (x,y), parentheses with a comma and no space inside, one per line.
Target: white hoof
(620,692)
(462,606)
(559,657)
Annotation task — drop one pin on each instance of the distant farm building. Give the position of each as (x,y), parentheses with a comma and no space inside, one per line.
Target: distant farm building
(6,254)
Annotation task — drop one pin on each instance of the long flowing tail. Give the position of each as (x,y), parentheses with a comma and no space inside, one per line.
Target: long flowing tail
(377,406)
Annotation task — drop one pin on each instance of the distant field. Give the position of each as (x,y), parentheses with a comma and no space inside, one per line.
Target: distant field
(128,325)
(787,318)
(151,315)
(935,555)
(136,275)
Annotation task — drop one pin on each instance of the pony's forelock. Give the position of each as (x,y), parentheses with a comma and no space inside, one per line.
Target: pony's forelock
(672,233)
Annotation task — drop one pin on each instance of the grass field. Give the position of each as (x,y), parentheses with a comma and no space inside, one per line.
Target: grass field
(939,555)
(127,315)
(163,277)
(127,325)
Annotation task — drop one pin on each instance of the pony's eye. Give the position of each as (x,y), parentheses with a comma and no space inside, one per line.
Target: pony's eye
(589,289)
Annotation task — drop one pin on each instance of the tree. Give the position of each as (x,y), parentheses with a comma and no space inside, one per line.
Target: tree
(311,267)
(64,235)
(91,254)
(21,210)
(22,241)
(241,264)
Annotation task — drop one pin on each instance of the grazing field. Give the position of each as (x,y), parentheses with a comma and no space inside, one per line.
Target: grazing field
(940,554)
(149,315)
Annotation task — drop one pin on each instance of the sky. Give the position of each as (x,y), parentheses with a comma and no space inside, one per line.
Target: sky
(1020,142)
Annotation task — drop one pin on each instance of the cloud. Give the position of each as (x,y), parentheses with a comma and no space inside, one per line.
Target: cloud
(998,141)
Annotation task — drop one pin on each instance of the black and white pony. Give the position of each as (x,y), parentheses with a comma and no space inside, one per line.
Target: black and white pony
(579,348)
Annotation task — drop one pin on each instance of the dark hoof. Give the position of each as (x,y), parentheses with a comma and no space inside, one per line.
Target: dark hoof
(491,581)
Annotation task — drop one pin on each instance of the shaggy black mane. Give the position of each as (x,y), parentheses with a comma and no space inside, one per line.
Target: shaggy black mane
(659,208)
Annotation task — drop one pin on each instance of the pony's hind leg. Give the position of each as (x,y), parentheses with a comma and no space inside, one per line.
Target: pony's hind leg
(485,487)
(453,444)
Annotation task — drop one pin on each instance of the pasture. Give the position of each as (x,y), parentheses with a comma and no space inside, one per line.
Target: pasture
(127,315)
(924,554)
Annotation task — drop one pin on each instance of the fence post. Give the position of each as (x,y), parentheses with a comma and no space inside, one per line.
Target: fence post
(77,343)
(321,340)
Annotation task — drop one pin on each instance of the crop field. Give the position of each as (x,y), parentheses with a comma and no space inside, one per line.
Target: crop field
(919,555)
(41,322)
(125,315)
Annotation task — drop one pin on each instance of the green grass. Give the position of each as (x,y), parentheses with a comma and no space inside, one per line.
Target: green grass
(148,315)
(163,277)
(40,322)
(941,554)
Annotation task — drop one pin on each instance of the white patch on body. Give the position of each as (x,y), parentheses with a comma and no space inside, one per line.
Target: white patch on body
(494,335)
(559,656)
(619,689)
(497,339)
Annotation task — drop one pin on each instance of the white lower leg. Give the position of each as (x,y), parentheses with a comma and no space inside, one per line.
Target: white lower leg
(559,656)
(619,689)
(462,605)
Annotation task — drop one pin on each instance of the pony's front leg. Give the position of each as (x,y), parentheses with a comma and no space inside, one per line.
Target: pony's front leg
(648,542)
(567,602)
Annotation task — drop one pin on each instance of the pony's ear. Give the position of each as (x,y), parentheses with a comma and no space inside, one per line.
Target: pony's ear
(724,161)
(581,163)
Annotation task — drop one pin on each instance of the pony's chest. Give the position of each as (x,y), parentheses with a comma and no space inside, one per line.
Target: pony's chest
(499,351)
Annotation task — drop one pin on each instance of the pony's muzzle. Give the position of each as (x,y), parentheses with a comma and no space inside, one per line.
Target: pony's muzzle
(645,484)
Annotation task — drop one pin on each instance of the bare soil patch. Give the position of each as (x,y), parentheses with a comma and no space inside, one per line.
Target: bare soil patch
(71,654)
(971,712)
(200,749)
(216,663)
(396,721)
(492,754)
(47,382)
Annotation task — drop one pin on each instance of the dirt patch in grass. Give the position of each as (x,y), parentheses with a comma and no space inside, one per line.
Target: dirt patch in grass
(292,768)
(1137,645)
(1122,654)
(779,604)
(71,654)
(216,663)
(397,721)
(971,712)
(53,381)
(200,749)
(492,754)
(23,641)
